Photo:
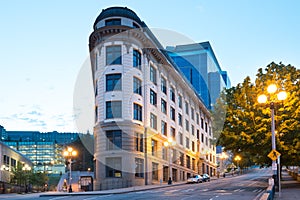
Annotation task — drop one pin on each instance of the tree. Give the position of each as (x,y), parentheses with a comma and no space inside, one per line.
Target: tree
(247,124)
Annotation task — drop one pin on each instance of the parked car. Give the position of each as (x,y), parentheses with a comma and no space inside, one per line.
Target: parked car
(195,179)
(205,177)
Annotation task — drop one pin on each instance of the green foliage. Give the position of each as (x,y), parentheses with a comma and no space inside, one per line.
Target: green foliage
(247,124)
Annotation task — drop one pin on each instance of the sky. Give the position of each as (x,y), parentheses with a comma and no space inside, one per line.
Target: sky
(44,44)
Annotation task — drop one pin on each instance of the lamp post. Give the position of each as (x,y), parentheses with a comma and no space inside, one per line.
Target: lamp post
(223,156)
(238,159)
(26,168)
(170,143)
(282,95)
(69,153)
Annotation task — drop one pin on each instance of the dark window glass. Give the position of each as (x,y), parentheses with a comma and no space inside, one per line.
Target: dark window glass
(153,74)
(110,22)
(153,97)
(163,106)
(164,128)
(139,169)
(139,142)
(153,121)
(113,109)
(113,55)
(114,167)
(137,112)
(114,140)
(172,113)
(113,82)
(172,94)
(154,147)
(137,86)
(179,119)
(137,59)
(163,85)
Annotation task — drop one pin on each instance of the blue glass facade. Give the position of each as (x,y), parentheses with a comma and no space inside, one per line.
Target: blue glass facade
(200,66)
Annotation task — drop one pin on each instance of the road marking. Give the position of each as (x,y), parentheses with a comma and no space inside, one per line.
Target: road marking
(58,198)
(188,190)
(171,191)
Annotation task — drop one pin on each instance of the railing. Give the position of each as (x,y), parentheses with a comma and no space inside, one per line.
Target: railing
(270,191)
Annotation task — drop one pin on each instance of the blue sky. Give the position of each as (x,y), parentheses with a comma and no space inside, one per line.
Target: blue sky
(43,45)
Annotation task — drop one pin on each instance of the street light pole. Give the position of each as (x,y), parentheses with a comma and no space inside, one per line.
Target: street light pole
(282,95)
(69,153)
(168,144)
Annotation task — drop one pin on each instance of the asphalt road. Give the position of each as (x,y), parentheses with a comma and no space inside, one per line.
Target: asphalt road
(242,187)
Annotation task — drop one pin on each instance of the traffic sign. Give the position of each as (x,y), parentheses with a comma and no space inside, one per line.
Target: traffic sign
(274,154)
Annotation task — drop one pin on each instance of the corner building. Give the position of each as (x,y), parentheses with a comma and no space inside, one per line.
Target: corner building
(141,100)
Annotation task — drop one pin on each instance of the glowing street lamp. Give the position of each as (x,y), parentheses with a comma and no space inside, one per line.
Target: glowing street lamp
(68,154)
(170,143)
(282,95)
(238,159)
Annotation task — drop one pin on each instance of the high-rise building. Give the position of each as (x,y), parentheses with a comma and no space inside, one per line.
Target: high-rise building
(150,124)
(201,67)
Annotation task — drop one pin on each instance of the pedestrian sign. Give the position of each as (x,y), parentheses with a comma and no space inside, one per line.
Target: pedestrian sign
(274,154)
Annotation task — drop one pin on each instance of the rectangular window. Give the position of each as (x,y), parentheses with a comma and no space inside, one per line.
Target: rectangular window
(180,138)
(153,74)
(137,59)
(137,112)
(113,109)
(164,153)
(187,125)
(202,123)
(205,127)
(187,142)
(173,133)
(179,119)
(180,101)
(139,142)
(154,147)
(163,85)
(188,162)
(153,97)
(181,159)
(172,113)
(163,106)
(193,146)
(206,141)
(172,94)
(139,169)
(193,113)
(164,128)
(113,140)
(193,129)
(197,118)
(113,82)
(193,164)
(114,167)
(155,171)
(209,131)
(153,121)
(186,108)
(137,86)
(110,22)
(198,134)
(113,55)
(202,137)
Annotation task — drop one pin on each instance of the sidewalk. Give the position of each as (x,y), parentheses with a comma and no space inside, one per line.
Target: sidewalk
(118,191)
(290,188)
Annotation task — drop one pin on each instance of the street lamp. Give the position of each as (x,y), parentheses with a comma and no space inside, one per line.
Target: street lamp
(68,154)
(282,95)
(238,159)
(26,168)
(170,143)
(223,156)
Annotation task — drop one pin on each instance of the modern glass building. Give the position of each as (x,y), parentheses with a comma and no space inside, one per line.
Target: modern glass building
(150,124)
(201,67)
(43,149)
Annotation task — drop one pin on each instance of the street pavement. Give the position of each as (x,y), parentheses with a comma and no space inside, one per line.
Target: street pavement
(290,188)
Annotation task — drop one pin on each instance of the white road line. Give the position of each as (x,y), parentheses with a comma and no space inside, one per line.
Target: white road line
(58,198)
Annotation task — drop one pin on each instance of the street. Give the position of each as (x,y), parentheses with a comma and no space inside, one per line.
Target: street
(246,186)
